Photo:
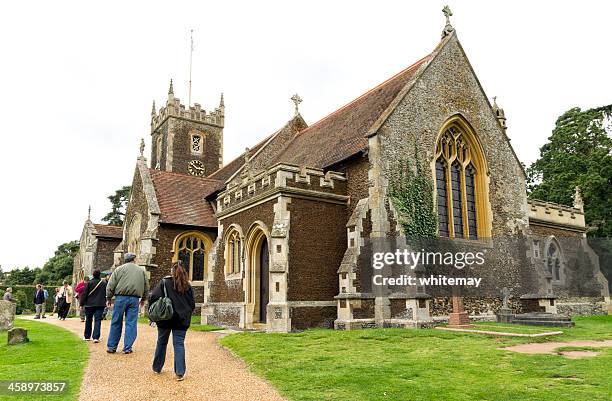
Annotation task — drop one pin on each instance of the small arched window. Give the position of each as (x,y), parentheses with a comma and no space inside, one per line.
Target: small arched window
(192,250)
(233,252)
(553,261)
(133,234)
(459,166)
(158,151)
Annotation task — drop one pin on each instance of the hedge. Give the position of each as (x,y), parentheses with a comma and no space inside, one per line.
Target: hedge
(24,298)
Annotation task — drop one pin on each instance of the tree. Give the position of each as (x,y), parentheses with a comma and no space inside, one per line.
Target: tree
(59,267)
(24,276)
(119,202)
(578,154)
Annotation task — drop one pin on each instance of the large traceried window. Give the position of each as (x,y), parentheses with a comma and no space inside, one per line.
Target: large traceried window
(458,167)
(192,250)
(233,252)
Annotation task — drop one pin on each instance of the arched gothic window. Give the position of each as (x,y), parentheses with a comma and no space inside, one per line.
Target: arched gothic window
(553,261)
(458,173)
(192,250)
(233,249)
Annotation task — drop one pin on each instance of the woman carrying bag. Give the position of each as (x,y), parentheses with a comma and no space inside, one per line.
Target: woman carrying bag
(178,291)
(93,300)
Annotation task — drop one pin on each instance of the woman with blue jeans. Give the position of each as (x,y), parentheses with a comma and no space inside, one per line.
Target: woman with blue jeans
(93,299)
(180,293)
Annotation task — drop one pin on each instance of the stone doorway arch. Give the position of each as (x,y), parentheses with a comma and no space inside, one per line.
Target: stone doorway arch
(257,283)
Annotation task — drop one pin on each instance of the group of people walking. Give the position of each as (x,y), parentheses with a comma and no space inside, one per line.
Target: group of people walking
(128,288)
(61,300)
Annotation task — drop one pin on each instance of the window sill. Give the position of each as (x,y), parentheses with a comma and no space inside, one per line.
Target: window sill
(233,276)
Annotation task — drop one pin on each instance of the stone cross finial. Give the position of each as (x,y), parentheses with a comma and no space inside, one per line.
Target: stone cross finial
(89,213)
(142,147)
(448,28)
(578,201)
(296,100)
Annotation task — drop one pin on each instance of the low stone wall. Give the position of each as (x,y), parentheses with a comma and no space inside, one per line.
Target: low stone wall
(442,306)
(582,308)
(221,315)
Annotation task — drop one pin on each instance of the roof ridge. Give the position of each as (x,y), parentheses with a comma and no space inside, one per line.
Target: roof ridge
(382,84)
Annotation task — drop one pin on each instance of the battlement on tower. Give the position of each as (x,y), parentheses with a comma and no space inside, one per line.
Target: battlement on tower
(195,113)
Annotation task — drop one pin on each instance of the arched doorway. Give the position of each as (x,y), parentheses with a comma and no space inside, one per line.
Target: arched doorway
(258,274)
(264,271)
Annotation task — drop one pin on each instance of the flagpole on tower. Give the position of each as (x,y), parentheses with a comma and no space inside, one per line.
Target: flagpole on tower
(190,64)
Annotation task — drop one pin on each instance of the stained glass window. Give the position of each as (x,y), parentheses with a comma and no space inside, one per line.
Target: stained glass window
(442,198)
(456,186)
(470,200)
(192,253)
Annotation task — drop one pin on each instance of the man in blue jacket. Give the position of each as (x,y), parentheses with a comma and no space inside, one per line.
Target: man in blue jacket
(39,302)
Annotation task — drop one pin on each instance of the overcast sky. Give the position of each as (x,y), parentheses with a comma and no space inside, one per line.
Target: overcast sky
(78,79)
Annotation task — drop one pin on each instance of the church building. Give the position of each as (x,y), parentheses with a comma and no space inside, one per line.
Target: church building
(274,239)
(96,248)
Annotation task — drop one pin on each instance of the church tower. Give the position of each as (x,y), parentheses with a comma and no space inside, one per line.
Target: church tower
(187,141)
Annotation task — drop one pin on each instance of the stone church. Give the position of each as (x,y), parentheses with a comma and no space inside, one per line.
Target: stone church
(273,240)
(96,248)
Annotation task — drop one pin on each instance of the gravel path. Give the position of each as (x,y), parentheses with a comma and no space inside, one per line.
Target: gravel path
(213,373)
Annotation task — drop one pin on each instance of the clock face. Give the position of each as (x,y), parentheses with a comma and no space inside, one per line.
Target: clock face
(196,167)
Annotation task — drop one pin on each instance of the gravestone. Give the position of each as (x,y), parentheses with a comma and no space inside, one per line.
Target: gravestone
(505,313)
(17,336)
(7,315)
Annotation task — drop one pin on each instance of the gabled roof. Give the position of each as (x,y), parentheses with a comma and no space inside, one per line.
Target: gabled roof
(227,171)
(343,133)
(266,150)
(181,198)
(108,231)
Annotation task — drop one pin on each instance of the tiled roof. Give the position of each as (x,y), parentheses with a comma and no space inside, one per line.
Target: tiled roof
(343,133)
(104,230)
(181,198)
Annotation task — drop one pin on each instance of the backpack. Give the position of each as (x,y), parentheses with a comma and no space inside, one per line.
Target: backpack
(46,294)
(161,309)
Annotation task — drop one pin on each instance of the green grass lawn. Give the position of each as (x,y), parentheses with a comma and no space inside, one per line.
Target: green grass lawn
(53,354)
(398,364)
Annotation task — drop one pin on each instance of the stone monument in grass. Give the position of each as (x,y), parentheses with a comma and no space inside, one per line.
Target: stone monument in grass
(7,315)
(505,313)
(17,335)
